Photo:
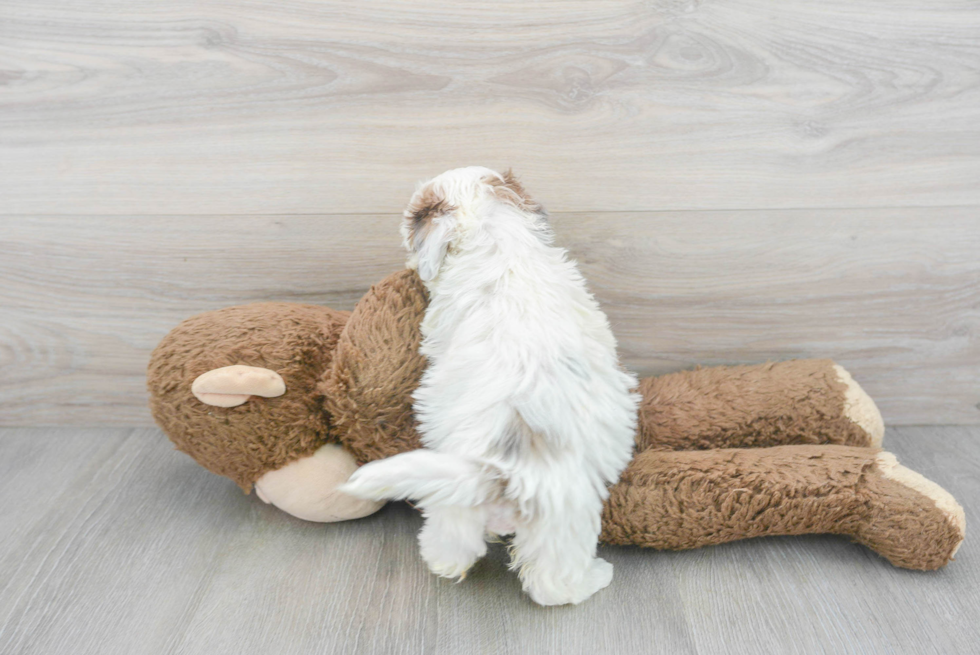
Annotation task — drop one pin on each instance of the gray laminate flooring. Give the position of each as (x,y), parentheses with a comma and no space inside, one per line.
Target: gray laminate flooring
(739,180)
(112,542)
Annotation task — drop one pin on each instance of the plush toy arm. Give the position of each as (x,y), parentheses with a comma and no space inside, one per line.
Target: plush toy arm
(680,500)
(805,401)
(367,389)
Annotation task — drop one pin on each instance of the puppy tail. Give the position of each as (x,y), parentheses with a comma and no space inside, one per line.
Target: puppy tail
(428,477)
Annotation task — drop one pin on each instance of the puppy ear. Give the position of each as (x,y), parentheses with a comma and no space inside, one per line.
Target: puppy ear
(428,229)
(434,247)
(508,189)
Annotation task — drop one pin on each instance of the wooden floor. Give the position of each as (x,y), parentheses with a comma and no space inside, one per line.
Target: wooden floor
(112,542)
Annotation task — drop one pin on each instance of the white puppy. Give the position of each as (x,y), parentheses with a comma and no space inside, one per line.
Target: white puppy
(524,411)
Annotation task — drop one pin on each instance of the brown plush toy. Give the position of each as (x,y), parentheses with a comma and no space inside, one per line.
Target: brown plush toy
(291,398)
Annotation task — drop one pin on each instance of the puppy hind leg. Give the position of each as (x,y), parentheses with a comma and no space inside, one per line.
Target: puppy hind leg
(453,539)
(554,549)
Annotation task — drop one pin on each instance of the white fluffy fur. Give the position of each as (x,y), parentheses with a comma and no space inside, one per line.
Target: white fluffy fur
(524,410)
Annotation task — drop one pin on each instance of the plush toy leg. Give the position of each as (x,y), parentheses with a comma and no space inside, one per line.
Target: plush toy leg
(679,500)
(307,487)
(806,401)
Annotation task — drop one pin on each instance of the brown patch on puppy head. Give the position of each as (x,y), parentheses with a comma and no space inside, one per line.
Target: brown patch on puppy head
(508,189)
(424,206)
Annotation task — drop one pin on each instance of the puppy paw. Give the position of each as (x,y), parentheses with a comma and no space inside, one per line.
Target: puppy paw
(450,558)
(453,570)
(600,575)
(545,591)
(452,563)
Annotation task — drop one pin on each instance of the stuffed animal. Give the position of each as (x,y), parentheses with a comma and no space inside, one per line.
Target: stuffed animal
(291,398)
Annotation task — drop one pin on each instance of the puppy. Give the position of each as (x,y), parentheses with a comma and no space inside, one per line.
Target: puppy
(524,411)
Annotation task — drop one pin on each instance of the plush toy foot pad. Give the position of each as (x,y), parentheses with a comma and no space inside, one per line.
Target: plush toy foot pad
(860,409)
(913,522)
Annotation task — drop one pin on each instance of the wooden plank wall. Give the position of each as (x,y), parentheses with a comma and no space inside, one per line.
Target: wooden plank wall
(740,180)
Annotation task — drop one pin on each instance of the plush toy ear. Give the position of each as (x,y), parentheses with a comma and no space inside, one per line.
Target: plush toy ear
(428,229)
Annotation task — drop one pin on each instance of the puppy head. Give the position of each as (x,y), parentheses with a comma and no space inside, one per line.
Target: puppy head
(450,207)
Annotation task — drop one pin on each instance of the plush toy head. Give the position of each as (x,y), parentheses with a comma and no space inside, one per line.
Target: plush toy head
(295,341)
(348,378)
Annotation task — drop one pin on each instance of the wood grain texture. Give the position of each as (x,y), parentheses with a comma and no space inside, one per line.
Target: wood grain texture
(893,295)
(87,299)
(111,542)
(338,107)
